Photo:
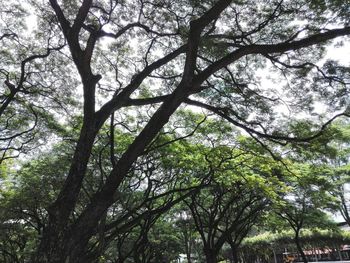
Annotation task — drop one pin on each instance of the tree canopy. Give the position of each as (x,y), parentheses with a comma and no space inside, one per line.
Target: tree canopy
(122,109)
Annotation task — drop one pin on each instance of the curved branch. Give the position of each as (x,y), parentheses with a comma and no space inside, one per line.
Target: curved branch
(270,49)
(122,99)
(275,138)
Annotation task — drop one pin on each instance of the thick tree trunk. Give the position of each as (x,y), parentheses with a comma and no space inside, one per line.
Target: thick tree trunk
(137,259)
(53,247)
(59,242)
(235,254)
(84,228)
(210,255)
(300,249)
(234,249)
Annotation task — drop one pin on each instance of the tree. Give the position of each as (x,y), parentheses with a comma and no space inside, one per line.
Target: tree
(153,239)
(23,201)
(302,206)
(33,83)
(147,193)
(331,153)
(189,52)
(338,168)
(268,245)
(188,235)
(242,187)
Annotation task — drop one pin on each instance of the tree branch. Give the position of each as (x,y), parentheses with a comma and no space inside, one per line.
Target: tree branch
(275,138)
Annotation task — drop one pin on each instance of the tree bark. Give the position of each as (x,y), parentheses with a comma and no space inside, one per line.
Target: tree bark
(188,251)
(234,251)
(53,244)
(210,255)
(299,247)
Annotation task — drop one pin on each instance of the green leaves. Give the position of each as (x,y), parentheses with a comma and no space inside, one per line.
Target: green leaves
(133,110)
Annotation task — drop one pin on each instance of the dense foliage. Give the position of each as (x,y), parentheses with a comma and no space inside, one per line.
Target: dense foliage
(137,131)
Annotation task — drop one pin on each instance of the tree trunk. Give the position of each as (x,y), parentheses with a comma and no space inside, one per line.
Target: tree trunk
(53,245)
(210,255)
(120,260)
(188,255)
(234,251)
(189,258)
(299,247)
(188,246)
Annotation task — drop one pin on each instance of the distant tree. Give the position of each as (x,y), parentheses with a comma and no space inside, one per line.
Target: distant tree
(268,245)
(188,235)
(331,153)
(152,240)
(303,205)
(339,169)
(242,187)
